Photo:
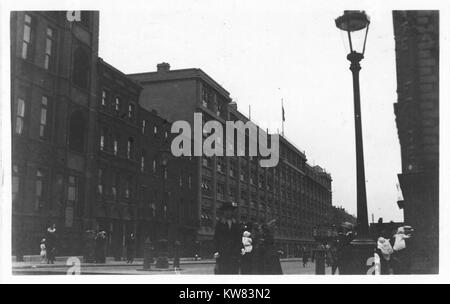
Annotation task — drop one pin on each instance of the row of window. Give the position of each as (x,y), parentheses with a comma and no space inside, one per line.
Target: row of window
(44,194)
(81,60)
(21,106)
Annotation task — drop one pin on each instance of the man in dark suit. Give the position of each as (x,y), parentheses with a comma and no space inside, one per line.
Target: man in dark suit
(228,241)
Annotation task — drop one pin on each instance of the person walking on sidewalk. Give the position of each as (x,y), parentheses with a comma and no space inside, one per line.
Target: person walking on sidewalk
(43,252)
(130,243)
(228,241)
(50,244)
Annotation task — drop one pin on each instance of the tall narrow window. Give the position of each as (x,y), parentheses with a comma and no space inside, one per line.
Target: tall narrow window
(114,183)
(129,187)
(117,105)
(77,126)
(16,177)
(100,182)
(143,161)
(72,194)
(105,97)
(80,68)
(102,140)
(50,48)
(40,190)
(20,116)
(43,129)
(27,44)
(116,145)
(130,148)
(154,166)
(143,126)
(130,111)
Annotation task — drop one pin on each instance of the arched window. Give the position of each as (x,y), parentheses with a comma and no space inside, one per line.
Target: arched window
(80,69)
(77,125)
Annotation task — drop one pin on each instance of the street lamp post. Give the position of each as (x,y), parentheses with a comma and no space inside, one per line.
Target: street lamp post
(162,260)
(356,25)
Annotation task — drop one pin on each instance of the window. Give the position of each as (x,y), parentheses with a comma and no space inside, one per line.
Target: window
(100,182)
(128,187)
(73,194)
(77,125)
(105,97)
(80,68)
(16,177)
(20,116)
(143,126)
(102,140)
(190,182)
(40,189)
(117,103)
(154,166)
(49,63)
(43,128)
(130,111)
(130,147)
(153,209)
(155,130)
(114,185)
(181,180)
(28,36)
(220,164)
(116,145)
(143,162)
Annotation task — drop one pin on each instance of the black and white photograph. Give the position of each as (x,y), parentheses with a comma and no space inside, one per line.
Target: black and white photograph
(224,141)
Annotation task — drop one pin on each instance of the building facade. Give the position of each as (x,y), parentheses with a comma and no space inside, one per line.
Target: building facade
(417,117)
(53,100)
(297,195)
(91,151)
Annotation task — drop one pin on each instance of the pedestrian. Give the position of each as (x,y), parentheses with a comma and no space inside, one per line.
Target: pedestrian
(305,257)
(247,258)
(100,248)
(50,244)
(130,243)
(270,255)
(384,251)
(400,257)
(343,247)
(43,252)
(228,241)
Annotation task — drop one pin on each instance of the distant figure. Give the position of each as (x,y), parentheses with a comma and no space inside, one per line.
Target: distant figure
(305,257)
(228,242)
(100,247)
(400,257)
(247,258)
(43,252)
(130,243)
(343,246)
(271,256)
(50,244)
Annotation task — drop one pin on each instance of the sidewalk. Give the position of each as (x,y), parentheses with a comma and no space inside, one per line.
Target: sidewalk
(110,262)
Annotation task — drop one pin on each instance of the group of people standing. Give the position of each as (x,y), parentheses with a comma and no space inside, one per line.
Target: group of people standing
(393,252)
(244,249)
(48,246)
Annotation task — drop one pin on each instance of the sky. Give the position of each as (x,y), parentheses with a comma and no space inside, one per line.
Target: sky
(262,52)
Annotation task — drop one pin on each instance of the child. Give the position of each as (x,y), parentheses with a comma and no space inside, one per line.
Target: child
(247,242)
(43,251)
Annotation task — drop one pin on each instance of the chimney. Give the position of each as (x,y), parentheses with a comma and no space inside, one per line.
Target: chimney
(163,67)
(233,105)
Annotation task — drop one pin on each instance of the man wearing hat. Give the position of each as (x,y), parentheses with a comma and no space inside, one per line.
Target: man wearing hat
(228,241)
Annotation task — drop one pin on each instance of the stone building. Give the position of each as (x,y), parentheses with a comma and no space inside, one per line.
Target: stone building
(417,117)
(294,193)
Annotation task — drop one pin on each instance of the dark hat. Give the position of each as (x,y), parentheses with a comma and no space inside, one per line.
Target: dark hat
(228,206)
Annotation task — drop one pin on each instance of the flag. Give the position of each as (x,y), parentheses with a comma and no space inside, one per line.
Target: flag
(282,110)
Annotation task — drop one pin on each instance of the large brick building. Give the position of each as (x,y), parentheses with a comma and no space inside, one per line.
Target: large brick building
(89,150)
(294,193)
(417,116)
